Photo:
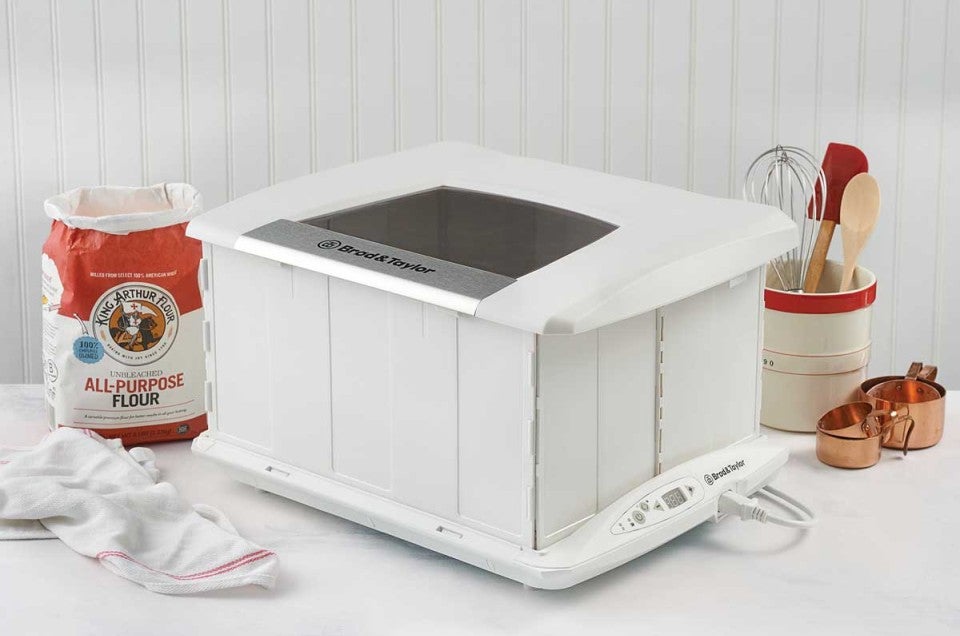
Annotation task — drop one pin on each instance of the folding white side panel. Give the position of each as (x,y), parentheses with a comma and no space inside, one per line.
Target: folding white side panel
(300,369)
(711,345)
(423,359)
(495,417)
(272,374)
(362,386)
(596,425)
(361,383)
(567,430)
(626,445)
(394,396)
(243,316)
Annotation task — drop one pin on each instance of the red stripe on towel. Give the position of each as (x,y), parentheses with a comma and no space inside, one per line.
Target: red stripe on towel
(221,569)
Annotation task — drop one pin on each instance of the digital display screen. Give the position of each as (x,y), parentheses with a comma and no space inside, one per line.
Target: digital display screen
(674,498)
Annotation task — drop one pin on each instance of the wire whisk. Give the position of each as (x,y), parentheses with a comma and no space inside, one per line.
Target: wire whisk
(786,177)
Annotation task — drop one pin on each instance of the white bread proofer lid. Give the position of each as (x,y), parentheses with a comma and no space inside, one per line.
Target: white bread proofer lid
(668,244)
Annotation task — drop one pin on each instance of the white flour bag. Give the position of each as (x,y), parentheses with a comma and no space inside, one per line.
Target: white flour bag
(122,315)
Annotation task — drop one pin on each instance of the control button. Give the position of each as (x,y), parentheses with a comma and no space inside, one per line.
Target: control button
(638,516)
(644,506)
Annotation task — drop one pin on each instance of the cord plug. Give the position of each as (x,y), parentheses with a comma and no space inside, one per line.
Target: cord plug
(732,503)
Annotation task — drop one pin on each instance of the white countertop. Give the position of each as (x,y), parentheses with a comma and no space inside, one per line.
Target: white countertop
(884,559)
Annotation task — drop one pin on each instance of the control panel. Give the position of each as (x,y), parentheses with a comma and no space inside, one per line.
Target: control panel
(659,505)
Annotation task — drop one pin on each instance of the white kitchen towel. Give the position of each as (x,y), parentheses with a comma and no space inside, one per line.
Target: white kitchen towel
(106,503)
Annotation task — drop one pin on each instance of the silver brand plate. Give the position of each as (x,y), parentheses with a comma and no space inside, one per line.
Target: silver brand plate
(461,287)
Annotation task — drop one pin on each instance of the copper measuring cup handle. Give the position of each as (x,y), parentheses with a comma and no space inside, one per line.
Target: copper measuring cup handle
(919,370)
(886,430)
(906,438)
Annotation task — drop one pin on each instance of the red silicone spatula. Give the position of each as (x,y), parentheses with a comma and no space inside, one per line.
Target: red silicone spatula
(841,163)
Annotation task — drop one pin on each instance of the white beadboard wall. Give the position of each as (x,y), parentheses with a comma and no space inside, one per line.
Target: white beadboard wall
(232,96)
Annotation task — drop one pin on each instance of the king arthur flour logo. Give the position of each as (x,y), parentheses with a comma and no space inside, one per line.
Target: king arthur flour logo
(136,323)
(710,478)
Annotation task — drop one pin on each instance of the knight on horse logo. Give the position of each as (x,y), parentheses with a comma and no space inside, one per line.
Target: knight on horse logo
(135,326)
(136,322)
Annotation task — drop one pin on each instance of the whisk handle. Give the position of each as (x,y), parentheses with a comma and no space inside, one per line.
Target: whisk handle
(818,259)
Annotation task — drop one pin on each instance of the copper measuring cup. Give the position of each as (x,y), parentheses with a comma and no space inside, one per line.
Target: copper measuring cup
(851,435)
(916,393)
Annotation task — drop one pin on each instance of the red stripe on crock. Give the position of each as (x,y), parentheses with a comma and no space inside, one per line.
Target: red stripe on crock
(795,303)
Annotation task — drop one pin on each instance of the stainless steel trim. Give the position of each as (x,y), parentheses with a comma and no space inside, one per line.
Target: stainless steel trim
(423,278)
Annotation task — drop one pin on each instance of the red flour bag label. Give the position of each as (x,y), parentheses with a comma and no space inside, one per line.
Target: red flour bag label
(122,314)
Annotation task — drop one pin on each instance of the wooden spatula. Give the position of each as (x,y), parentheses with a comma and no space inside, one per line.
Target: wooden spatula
(841,163)
(859,210)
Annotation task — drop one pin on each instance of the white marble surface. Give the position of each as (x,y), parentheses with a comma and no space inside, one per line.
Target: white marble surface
(884,559)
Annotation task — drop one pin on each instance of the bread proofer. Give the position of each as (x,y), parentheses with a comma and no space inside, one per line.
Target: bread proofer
(537,369)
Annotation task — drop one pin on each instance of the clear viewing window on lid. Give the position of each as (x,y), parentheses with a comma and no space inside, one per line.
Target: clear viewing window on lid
(494,233)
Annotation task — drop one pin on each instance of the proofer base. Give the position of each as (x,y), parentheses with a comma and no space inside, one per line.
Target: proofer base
(591,550)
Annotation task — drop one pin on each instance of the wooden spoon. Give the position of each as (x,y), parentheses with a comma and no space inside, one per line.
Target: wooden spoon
(859,210)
